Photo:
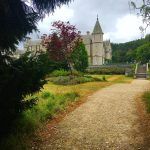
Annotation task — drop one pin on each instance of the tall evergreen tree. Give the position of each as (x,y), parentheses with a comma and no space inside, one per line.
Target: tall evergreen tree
(80,57)
(20,17)
(27,74)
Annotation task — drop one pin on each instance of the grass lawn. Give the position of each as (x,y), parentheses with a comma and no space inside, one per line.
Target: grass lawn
(86,88)
(52,100)
(146,98)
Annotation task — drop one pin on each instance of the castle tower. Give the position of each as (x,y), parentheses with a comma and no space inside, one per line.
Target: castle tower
(97,44)
(108,50)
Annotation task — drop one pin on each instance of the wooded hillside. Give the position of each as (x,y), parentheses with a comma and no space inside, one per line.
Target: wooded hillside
(126,52)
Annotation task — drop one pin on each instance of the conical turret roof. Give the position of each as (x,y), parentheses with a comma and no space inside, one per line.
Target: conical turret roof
(97,28)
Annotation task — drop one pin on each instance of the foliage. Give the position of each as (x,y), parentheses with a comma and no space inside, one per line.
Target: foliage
(107,70)
(143,10)
(61,72)
(130,71)
(24,76)
(72,80)
(32,118)
(60,44)
(47,107)
(15,23)
(126,52)
(76,73)
(46,95)
(143,53)
(146,98)
(104,78)
(18,18)
(53,65)
(80,57)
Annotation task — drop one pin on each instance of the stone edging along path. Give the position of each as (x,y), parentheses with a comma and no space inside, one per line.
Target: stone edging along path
(108,120)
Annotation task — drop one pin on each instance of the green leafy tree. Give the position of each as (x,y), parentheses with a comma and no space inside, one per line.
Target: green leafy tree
(143,53)
(131,55)
(126,52)
(80,57)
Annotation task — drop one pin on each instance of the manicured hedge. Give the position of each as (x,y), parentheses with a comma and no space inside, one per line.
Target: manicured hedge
(109,70)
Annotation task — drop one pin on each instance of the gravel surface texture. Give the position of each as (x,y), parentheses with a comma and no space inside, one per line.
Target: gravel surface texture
(107,121)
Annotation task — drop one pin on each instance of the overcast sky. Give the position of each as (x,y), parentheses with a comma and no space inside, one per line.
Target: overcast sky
(117,22)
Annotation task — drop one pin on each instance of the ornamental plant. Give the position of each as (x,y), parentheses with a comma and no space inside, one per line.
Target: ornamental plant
(61,42)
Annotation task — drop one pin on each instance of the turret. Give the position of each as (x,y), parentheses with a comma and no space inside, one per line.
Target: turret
(97,44)
(97,32)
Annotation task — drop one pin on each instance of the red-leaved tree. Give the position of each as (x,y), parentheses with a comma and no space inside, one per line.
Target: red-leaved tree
(60,44)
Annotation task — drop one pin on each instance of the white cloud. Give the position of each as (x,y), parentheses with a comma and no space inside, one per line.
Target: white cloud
(63,14)
(117,24)
(127,28)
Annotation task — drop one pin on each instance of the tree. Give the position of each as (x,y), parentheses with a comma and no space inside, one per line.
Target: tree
(126,52)
(60,44)
(131,56)
(143,53)
(19,18)
(80,57)
(27,74)
(24,76)
(143,10)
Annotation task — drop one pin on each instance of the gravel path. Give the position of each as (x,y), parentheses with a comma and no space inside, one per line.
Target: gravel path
(107,121)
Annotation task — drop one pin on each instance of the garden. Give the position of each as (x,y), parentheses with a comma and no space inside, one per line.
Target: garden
(63,90)
(43,85)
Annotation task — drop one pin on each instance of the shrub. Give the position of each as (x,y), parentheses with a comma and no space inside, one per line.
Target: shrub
(146,98)
(129,72)
(80,57)
(108,70)
(77,73)
(71,80)
(143,53)
(62,80)
(47,106)
(82,80)
(104,78)
(46,95)
(54,65)
(19,78)
(32,118)
(63,72)
(60,72)
(72,95)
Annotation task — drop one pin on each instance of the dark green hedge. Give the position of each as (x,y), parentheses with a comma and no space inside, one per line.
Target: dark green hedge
(108,70)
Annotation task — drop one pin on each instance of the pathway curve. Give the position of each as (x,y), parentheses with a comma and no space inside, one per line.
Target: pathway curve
(107,121)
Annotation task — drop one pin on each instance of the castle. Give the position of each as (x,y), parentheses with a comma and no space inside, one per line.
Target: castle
(99,51)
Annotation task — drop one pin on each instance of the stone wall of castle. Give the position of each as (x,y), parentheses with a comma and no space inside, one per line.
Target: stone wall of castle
(99,51)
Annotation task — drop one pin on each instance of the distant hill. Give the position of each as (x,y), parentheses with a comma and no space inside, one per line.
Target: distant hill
(125,52)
